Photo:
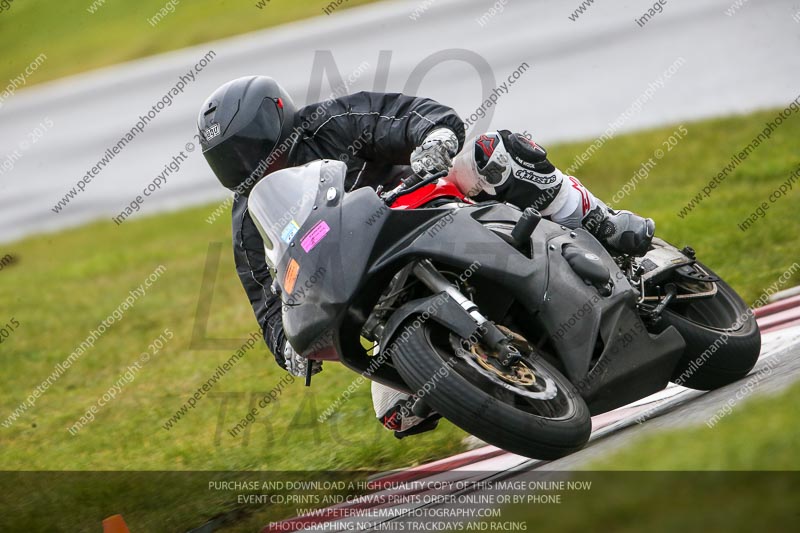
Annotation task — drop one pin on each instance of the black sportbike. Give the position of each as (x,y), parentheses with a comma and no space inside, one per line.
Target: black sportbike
(514,328)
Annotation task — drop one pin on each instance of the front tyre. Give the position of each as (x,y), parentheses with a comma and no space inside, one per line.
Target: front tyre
(540,415)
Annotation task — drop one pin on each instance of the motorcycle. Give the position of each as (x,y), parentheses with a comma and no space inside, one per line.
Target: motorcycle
(512,327)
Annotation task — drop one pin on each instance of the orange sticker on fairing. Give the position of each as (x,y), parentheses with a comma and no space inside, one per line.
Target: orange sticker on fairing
(291,276)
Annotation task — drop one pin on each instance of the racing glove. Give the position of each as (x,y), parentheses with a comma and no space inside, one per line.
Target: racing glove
(436,152)
(296,364)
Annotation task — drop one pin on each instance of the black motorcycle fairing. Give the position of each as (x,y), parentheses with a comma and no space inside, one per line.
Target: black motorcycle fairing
(311,242)
(590,329)
(454,238)
(342,269)
(495,212)
(332,268)
(634,363)
(551,290)
(572,310)
(440,308)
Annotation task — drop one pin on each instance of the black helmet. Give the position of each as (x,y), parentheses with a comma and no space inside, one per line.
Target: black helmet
(244,130)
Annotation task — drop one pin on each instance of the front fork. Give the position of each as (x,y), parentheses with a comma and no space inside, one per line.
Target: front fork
(503,353)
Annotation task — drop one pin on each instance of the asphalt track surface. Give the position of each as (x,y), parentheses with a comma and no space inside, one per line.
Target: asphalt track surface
(674,407)
(582,76)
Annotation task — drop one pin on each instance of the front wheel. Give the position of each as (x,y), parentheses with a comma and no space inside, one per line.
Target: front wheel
(532,410)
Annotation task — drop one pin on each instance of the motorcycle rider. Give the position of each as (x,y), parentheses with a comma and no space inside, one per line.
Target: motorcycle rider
(249,127)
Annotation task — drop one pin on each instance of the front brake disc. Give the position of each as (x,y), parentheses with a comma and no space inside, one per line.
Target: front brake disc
(519,383)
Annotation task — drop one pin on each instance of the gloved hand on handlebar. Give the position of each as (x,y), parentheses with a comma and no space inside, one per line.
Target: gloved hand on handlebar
(436,152)
(296,364)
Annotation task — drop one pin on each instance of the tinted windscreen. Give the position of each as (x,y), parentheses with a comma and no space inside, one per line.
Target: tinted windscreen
(280,204)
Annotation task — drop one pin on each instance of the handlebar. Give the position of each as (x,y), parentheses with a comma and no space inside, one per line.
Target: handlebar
(411,184)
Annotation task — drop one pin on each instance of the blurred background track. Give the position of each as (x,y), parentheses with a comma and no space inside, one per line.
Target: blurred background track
(572,89)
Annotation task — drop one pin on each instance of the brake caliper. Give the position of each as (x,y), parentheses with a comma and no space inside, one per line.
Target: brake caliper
(506,362)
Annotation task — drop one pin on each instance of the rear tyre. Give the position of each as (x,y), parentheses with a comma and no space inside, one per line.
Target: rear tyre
(723,341)
(483,404)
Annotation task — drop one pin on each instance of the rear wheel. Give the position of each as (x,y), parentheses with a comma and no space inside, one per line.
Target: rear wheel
(532,411)
(723,341)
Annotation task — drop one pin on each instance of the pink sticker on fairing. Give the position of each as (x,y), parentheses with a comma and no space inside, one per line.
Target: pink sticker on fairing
(315,235)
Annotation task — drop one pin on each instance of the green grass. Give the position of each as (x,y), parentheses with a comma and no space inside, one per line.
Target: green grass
(63,285)
(75,40)
(740,475)
(761,434)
